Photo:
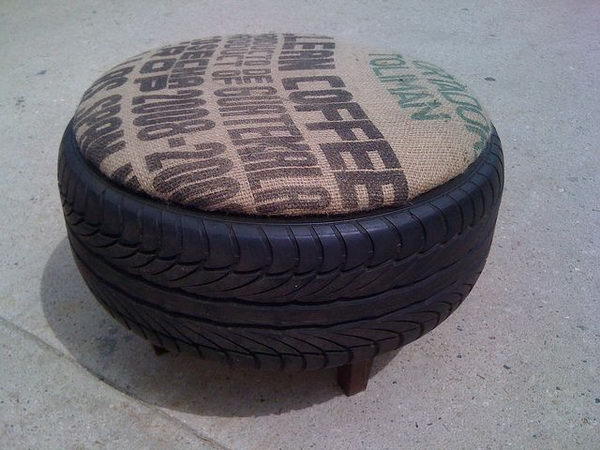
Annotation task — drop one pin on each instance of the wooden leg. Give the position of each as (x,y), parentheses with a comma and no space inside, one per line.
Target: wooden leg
(353,378)
(159,350)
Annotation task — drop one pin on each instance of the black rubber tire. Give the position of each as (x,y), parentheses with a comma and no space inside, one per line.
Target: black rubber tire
(303,293)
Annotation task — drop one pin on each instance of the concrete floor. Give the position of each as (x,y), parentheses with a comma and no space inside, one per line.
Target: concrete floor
(516,366)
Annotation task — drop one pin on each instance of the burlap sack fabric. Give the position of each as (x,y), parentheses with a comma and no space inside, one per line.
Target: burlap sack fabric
(281,125)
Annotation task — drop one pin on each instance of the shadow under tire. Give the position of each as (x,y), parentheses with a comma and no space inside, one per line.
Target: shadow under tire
(284,294)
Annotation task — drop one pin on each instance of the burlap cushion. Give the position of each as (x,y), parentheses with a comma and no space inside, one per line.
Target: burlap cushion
(279,125)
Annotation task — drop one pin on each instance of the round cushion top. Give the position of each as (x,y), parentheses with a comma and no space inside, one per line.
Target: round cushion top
(279,125)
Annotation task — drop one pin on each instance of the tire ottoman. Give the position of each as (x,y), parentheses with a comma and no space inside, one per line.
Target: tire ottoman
(280,201)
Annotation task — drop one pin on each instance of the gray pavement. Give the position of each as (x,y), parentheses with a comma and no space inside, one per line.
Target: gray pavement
(517,366)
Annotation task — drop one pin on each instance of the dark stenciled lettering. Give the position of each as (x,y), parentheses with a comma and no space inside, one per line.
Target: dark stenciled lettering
(331,111)
(257,178)
(168,115)
(286,198)
(276,159)
(261,144)
(113,79)
(102,133)
(177,67)
(229,108)
(321,96)
(374,183)
(317,81)
(124,176)
(361,158)
(309,42)
(345,128)
(248,101)
(361,153)
(158,65)
(281,126)
(306,53)
(247,50)
(198,179)
(246,91)
(244,76)
(193,177)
